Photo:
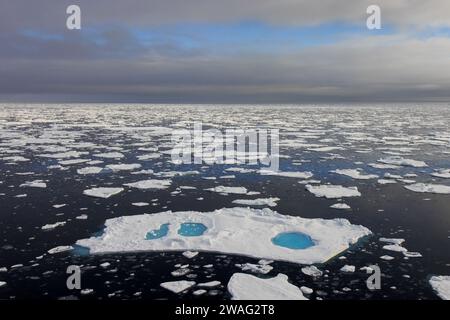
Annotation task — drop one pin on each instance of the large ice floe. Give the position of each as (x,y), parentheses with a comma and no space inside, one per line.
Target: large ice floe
(259,233)
(441,285)
(247,287)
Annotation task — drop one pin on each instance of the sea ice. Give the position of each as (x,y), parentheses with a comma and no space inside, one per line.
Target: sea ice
(340,206)
(348,269)
(150,184)
(34,184)
(60,249)
(123,167)
(429,188)
(355,174)
(247,287)
(293,174)
(255,268)
(102,192)
(271,202)
(227,231)
(399,161)
(312,271)
(333,191)
(441,285)
(444,173)
(178,286)
(233,190)
(89,170)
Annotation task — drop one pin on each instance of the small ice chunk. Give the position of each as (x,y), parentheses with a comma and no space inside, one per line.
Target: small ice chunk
(387,257)
(102,192)
(34,184)
(89,170)
(340,206)
(199,292)
(233,190)
(209,284)
(60,249)
(348,269)
(306,290)
(2,284)
(255,268)
(140,204)
(53,225)
(190,254)
(312,271)
(123,167)
(177,286)
(355,174)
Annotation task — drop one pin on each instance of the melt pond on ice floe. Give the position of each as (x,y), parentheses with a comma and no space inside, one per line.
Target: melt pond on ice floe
(227,230)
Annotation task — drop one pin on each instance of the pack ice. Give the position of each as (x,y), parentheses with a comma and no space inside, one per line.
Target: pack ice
(241,231)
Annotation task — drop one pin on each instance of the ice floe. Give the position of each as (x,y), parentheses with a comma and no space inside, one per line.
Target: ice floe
(247,287)
(226,230)
(102,192)
(340,206)
(441,285)
(233,190)
(270,202)
(177,286)
(60,249)
(34,184)
(429,188)
(150,184)
(355,174)
(399,161)
(333,191)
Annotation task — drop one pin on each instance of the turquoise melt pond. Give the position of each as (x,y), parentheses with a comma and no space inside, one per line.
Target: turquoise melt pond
(158,233)
(191,229)
(293,240)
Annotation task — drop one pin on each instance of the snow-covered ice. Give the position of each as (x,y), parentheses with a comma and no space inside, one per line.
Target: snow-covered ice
(150,184)
(441,285)
(429,188)
(177,286)
(333,191)
(227,231)
(102,192)
(247,287)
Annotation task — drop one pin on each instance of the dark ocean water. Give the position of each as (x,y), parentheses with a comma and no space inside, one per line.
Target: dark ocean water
(422,219)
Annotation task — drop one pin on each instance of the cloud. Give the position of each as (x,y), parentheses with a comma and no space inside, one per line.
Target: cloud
(108,60)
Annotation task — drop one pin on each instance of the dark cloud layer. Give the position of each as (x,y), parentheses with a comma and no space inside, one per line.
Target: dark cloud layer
(40,60)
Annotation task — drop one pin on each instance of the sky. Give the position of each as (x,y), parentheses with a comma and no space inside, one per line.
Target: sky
(217,51)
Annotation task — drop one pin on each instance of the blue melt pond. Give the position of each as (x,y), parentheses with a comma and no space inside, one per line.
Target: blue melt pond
(293,240)
(158,233)
(190,229)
